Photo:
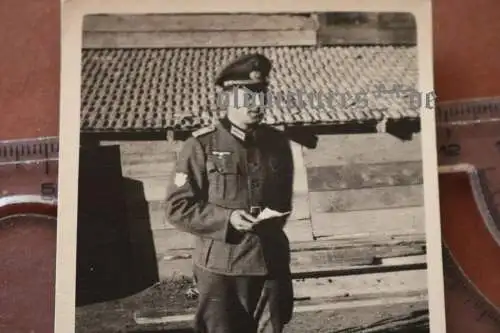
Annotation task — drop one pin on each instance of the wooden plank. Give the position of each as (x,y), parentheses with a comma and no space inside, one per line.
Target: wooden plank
(349,19)
(396,21)
(157,215)
(300,236)
(327,258)
(362,149)
(358,176)
(367,36)
(152,170)
(171,239)
(350,256)
(300,206)
(344,250)
(133,160)
(300,172)
(148,159)
(369,222)
(323,258)
(146,147)
(299,230)
(355,266)
(382,245)
(356,270)
(196,22)
(369,198)
(364,285)
(164,316)
(155,188)
(170,269)
(198,39)
(168,239)
(403,260)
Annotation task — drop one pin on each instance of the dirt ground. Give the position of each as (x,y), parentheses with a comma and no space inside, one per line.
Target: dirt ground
(117,316)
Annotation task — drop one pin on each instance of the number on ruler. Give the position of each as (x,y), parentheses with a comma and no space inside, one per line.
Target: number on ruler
(450,150)
(49,190)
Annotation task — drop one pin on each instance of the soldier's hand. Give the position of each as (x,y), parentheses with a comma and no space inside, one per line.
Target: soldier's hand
(241,220)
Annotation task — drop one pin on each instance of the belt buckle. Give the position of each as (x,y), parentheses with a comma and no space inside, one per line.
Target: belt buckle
(255,210)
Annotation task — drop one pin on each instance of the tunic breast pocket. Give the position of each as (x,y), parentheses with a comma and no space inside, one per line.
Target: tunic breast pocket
(224,179)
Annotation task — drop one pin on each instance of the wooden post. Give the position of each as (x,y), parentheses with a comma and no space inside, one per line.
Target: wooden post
(381,126)
(280,128)
(320,22)
(170,136)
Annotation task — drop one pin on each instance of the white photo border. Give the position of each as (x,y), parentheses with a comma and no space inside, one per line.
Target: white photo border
(72,15)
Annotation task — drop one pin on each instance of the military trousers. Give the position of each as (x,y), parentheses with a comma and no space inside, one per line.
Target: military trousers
(242,304)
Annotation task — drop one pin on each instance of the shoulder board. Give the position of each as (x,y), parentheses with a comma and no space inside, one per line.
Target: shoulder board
(204,130)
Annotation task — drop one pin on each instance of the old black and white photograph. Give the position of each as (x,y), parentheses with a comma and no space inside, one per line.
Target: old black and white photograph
(252,172)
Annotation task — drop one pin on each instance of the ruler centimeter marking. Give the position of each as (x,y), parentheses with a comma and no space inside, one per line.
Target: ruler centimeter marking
(467,112)
(29,168)
(29,150)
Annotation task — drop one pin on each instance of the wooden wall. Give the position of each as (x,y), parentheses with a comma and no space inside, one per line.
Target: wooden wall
(352,187)
(240,30)
(365,185)
(367,28)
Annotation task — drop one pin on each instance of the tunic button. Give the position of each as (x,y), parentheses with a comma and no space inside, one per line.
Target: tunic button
(255,184)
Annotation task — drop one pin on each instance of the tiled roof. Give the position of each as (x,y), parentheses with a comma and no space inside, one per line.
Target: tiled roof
(154,89)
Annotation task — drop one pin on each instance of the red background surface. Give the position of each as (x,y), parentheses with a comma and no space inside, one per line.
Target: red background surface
(466,49)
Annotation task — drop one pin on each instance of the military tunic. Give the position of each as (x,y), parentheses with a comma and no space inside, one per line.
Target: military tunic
(221,169)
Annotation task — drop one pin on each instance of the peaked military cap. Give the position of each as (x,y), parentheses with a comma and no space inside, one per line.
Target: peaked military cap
(249,69)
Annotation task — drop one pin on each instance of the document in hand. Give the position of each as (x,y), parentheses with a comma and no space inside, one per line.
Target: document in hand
(268,213)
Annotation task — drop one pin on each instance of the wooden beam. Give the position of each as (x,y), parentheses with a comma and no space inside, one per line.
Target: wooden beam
(299,230)
(345,149)
(367,199)
(157,169)
(172,239)
(152,317)
(318,19)
(396,21)
(365,269)
(358,176)
(369,222)
(198,39)
(379,246)
(369,285)
(318,263)
(367,36)
(170,136)
(195,22)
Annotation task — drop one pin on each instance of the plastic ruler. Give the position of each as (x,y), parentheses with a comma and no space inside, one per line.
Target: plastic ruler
(468,142)
(28,176)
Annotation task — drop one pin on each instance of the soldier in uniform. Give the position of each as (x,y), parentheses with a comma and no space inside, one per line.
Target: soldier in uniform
(226,175)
